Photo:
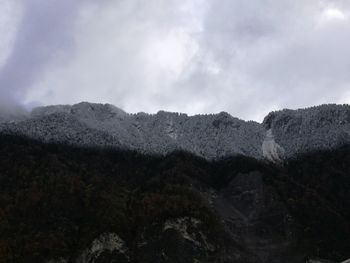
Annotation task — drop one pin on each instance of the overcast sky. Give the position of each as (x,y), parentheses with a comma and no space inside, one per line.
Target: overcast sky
(193,56)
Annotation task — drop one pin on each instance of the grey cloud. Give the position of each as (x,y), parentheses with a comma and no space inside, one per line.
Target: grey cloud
(129,54)
(197,56)
(45,30)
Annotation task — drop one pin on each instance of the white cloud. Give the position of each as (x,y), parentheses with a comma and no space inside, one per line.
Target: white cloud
(334,13)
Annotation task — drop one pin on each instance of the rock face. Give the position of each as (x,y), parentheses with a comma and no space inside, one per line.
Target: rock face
(106,247)
(272,150)
(283,134)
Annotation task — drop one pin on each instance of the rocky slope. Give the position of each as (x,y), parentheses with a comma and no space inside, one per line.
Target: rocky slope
(283,134)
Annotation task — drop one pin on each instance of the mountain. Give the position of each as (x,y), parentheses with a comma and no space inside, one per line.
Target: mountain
(90,183)
(283,134)
(210,136)
(63,203)
(315,128)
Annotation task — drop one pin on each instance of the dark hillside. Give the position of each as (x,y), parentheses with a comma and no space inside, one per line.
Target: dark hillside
(95,205)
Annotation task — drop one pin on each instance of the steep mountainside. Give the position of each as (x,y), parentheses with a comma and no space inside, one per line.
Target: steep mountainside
(283,134)
(60,203)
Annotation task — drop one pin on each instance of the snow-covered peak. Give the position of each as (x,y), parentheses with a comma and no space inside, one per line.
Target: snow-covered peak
(84,110)
(96,111)
(323,114)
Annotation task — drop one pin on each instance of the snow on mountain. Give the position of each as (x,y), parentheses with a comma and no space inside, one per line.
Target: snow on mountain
(282,134)
(315,128)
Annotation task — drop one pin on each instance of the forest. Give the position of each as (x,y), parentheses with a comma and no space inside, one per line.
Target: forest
(55,199)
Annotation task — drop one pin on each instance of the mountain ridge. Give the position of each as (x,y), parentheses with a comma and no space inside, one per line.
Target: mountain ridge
(282,134)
